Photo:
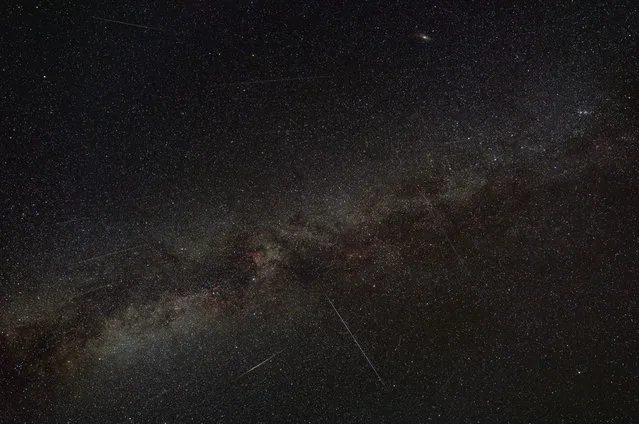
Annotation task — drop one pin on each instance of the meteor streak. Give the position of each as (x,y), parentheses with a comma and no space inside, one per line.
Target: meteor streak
(355,340)
(126,23)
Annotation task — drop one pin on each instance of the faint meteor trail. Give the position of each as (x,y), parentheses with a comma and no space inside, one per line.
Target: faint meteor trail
(259,365)
(117,252)
(126,23)
(276,80)
(355,340)
(436,219)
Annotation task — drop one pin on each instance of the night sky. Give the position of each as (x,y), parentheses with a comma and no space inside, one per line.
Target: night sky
(243,212)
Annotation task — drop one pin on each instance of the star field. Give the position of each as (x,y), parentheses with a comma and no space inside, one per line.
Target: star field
(319,213)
